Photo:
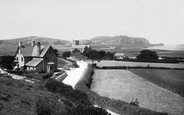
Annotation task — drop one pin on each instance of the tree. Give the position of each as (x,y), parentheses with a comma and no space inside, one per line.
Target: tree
(76,50)
(86,50)
(147,55)
(7,62)
(66,54)
(110,55)
(94,55)
(102,53)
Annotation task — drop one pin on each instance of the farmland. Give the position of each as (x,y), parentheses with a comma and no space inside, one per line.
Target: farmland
(138,64)
(124,85)
(169,79)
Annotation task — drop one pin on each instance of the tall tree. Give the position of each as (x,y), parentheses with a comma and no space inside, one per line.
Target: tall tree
(86,50)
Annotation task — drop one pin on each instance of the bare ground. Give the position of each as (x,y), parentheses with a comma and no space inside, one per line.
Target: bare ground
(124,85)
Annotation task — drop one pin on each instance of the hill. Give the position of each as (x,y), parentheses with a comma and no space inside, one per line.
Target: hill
(99,40)
(29,39)
(122,41)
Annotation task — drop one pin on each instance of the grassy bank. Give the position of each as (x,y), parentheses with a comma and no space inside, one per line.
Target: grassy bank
(117,106)
(18,97)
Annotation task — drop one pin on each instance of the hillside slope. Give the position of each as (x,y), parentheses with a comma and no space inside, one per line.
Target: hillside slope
(29,39)
(122,41)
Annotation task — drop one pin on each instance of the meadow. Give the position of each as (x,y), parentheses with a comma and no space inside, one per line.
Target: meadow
(170,79)
(124,85)
(138,64)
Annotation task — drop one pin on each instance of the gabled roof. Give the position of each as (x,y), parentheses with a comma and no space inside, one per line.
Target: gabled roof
(80,46)
(34,62)
(119,54)
(32,51)
(44,51)
(26,50)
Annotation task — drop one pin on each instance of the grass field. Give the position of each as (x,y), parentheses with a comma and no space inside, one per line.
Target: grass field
(141,64)
(170,79)
(124,85)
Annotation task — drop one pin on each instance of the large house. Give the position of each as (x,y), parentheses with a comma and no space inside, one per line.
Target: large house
(36,57)
(119,55)
(77,46)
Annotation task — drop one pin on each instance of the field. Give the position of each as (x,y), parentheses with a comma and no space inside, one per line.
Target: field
(124,85)
(169,79)
(140,64)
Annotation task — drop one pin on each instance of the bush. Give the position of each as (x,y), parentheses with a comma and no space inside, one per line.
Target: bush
(75,99)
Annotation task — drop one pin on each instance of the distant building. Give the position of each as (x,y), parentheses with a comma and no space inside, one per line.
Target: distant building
(119,55)
(77,46)
(36,57)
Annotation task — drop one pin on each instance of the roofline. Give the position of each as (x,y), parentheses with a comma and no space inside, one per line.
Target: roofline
(52,49)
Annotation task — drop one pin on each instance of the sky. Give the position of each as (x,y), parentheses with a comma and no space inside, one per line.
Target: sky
(159,21)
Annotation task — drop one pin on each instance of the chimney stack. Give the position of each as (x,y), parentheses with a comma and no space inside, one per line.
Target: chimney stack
(33,43)
(20,44)
(38,48)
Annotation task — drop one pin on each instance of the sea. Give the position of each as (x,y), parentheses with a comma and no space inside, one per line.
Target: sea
(169,50)
(178,47)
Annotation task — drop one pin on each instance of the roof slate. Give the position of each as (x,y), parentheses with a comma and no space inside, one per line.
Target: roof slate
(26,51)
(34,62)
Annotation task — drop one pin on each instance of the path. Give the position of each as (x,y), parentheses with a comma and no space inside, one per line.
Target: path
(75,74)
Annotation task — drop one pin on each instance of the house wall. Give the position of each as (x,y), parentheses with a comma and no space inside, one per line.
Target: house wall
(39,67)
(20,59)
(50,56)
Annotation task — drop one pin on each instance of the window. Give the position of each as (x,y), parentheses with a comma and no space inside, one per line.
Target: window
(22,59)
(47,59)
(50,51)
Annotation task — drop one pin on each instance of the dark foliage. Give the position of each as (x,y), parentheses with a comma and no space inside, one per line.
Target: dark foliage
(102,53)
(7,62)
(147,55)
(94,55)
(89,111)
(110,55)
(76,96)
(87,50)
(76,50)
(66,54)
(76,99)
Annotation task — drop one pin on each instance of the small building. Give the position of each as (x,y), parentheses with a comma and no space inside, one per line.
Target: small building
(80,48)
(36,57)
(119,55)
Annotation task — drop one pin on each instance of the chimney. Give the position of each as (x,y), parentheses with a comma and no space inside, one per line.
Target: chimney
(77,42)
(33,43)
(20,44)
(38,48)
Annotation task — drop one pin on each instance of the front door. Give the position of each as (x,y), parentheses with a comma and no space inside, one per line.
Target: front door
(48,68)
